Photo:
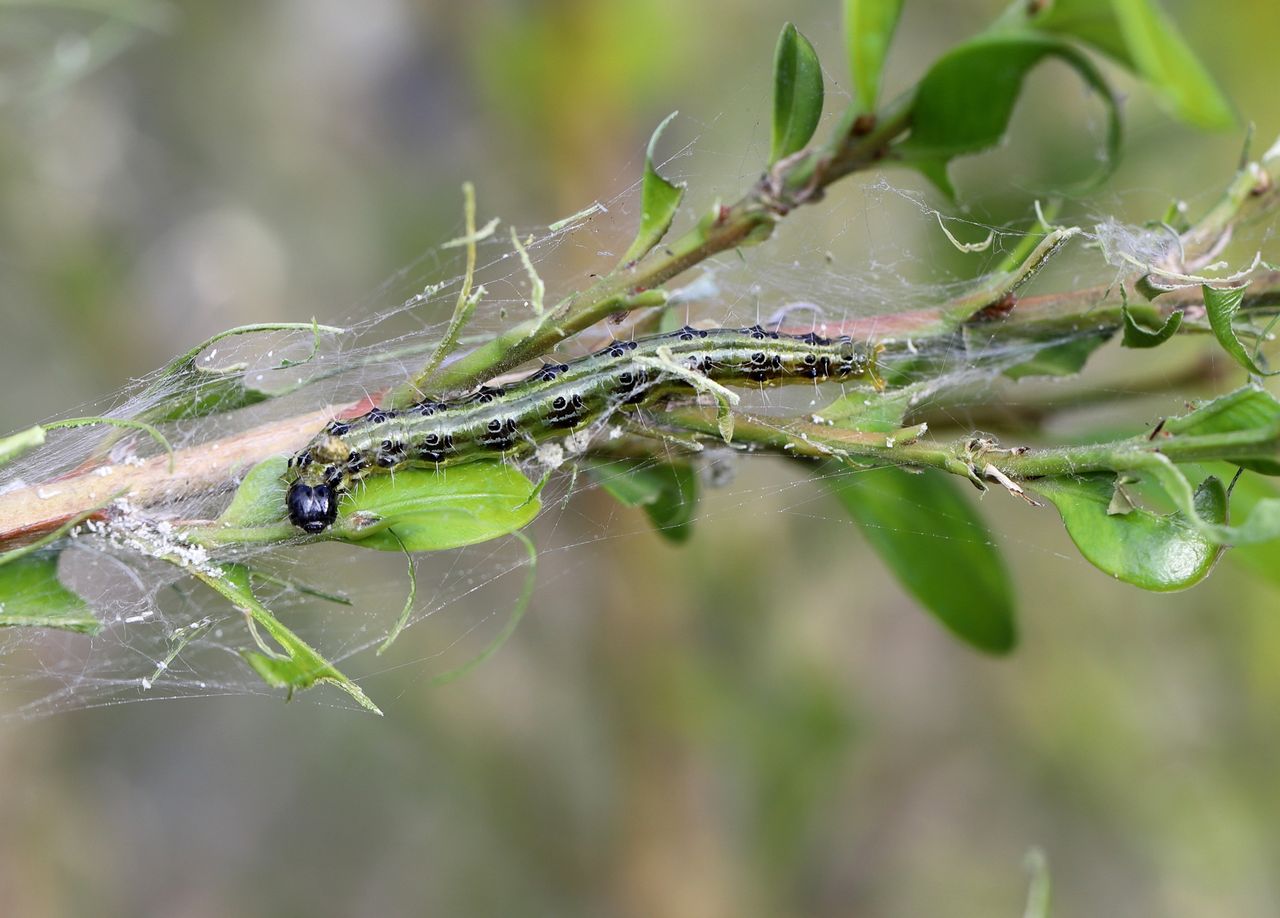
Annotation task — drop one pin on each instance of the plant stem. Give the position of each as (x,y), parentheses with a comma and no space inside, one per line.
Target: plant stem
(792,182)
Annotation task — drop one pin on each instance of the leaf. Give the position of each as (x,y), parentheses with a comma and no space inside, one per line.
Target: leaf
(1139,35)
(183,389)
(1091,21)
(434,510)
(1248,408)
(668,491)
(259,501)
(1262,558)
(659,200)
(1065,359)
(1222,304)
(1136,336)
(31,595)
(1164,59)
(868,31)
(938,547)
(876,412)
(300,666)
(1153,551)
(797,93)
(14,445)
(964,103)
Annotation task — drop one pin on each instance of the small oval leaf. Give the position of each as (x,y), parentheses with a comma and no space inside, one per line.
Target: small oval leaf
(1149,550)
(797,93)
(659,200)
(434,510)
(868,31)
(938,547)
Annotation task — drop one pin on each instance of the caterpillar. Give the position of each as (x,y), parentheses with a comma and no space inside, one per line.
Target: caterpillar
(555,399)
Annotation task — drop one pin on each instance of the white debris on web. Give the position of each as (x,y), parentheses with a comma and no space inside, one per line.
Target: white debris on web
(129,528)
(550,455)
(1122,246)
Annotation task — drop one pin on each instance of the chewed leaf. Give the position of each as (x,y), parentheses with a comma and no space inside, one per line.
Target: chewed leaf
(184,389)
(964,103)
(31,595)
(659,200)
(868,30)
(433,510)
(1222,304)
(797,93)
(938,547)
(1136,336)
(667,491)
(1149,550)
(297,665)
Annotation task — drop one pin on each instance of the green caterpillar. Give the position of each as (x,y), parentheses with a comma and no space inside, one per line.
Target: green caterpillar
(553,400)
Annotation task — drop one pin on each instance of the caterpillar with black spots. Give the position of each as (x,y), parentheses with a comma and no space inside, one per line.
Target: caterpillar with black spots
(556,399)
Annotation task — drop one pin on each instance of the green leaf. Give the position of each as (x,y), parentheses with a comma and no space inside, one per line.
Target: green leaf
(868,31)
(1136,336)
(1156,552)
(1222,304)
(668,491)
(31,595)
(259,501)
(936,544)
(797,93)
(875,412)
(964,103)
(299,666)
(1091,21)
(14,445)
(1262,558)
(1139,35)
(434,510)
(659,200)
(1065,359)
(1164,59)
(1248,408)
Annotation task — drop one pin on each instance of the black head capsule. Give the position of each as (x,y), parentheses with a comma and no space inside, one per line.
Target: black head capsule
(312,508)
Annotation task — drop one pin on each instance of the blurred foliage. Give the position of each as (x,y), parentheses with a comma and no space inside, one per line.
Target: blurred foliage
(720,738)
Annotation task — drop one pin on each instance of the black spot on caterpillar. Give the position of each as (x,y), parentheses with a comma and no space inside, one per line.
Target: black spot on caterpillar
(497,421)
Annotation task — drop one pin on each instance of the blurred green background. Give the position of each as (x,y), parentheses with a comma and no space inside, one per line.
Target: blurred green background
(759,723)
